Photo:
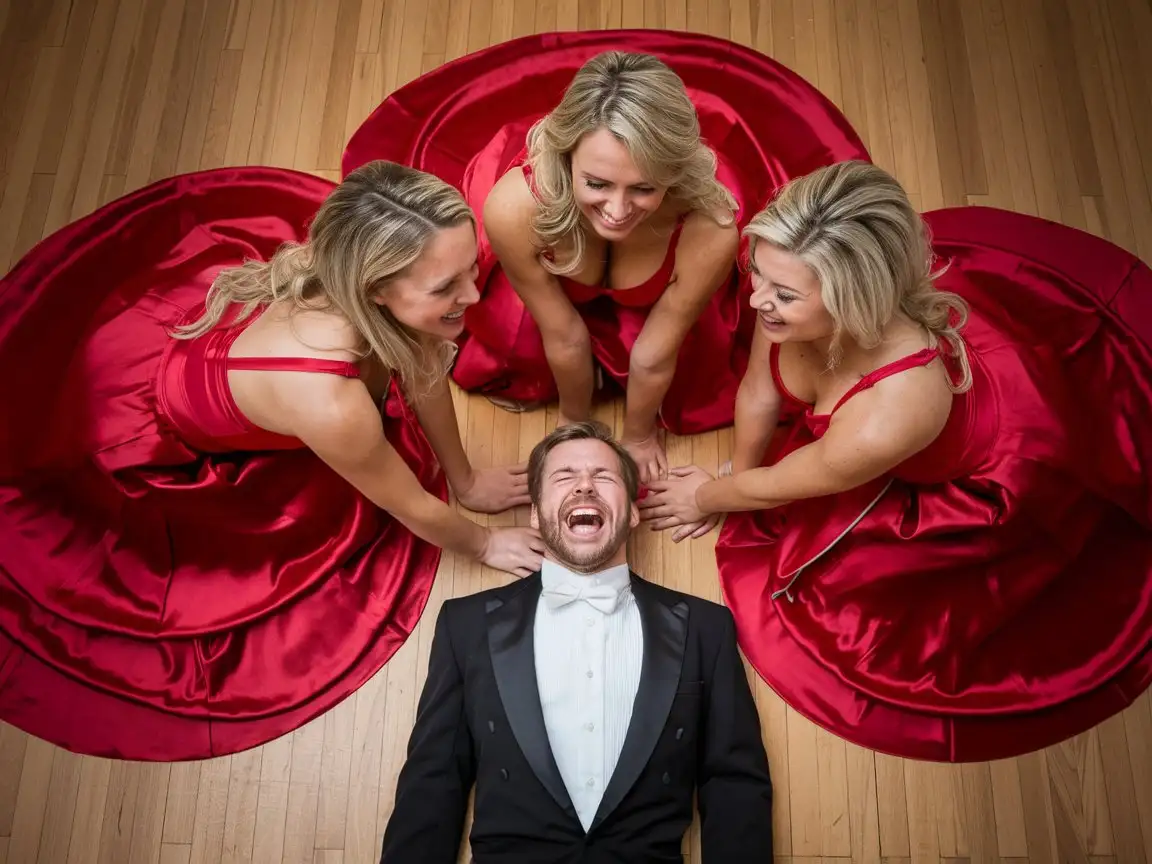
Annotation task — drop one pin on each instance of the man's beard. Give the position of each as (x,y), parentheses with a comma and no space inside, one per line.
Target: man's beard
(586,558)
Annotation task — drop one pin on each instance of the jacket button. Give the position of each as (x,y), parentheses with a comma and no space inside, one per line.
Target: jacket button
(666,778)
(491,726)
(504,773)
(679,733)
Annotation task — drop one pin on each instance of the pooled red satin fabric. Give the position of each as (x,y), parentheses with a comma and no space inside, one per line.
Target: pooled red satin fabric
(176,583)
(997,597)
(466,122)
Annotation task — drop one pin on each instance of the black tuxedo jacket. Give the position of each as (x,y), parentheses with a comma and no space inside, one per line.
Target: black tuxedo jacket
(694,727)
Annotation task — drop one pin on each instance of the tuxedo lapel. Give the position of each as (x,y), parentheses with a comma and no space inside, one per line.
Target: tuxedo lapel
(665,633)
(511,643)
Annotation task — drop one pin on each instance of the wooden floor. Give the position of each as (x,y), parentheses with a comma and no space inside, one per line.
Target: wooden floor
(1043,106)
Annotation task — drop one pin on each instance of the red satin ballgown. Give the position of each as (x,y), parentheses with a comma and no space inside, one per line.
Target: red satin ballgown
(993,595)
(467,122)
(176,582)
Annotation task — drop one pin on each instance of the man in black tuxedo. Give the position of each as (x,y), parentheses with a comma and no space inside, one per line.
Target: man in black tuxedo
(585,703)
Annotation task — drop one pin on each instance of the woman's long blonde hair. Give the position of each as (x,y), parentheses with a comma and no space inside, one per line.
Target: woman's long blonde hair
(643,103)
(369,230)
(853,224)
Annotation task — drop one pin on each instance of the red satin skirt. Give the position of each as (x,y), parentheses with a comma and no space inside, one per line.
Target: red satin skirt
(1001,600)
(158,603)
(466,122)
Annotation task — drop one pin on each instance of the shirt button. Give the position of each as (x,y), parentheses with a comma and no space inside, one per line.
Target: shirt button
(589,673)
(591,781)
(589,621)
(589,726)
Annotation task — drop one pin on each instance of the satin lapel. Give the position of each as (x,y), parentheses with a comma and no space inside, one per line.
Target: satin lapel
(665,633)
(510,642)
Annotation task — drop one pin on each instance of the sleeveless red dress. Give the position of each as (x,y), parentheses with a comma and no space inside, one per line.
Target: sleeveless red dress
(176,582)
(466,122)
(993,594)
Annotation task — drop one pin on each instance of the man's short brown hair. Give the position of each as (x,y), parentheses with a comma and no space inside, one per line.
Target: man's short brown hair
(590,429)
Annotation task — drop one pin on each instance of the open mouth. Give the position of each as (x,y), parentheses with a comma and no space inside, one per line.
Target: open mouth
(584,521)
(453,316)
(768,321)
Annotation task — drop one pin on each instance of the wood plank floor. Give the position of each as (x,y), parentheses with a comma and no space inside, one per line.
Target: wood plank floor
(1043,106)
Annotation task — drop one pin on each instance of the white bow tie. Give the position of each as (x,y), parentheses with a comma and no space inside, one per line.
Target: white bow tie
(602,597)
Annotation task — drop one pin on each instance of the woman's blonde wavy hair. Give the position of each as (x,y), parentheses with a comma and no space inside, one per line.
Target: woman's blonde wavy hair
(853,224)
(643,103)
(368,231)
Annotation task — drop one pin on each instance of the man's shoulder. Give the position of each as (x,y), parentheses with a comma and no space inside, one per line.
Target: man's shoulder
(484,601)
(708,612)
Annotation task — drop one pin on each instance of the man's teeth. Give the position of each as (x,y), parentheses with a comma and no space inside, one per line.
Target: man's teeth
(585,518)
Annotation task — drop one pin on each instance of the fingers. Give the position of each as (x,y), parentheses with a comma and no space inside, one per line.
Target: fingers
(662,462)
(705,526)
(519,500)
(666,523)
(521,468)
(684,471)
(648,512)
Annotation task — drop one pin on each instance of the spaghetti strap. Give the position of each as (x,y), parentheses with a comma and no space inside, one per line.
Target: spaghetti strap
(920,358)
(295,364)
(529,178)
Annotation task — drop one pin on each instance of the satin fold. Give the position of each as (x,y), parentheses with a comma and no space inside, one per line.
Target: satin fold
(175,582)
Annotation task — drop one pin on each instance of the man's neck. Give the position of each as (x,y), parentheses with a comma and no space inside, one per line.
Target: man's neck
(560,569)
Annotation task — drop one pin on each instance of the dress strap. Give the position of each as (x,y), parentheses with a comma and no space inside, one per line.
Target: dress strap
(920,358)
(526,169)
(295,364)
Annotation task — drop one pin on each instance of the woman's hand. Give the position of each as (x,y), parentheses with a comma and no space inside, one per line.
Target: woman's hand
(494,490)
(671,503)
(518,551)
(650,457)
(695,530)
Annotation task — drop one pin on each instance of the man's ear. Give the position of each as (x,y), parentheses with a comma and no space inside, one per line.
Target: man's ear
(534,518)
(634,516)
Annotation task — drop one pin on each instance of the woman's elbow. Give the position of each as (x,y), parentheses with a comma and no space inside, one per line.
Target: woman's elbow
(571,345)
(647,363)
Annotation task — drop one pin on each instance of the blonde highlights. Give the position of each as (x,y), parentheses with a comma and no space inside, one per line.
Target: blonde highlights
(853,224)
(368,231)
(643,103)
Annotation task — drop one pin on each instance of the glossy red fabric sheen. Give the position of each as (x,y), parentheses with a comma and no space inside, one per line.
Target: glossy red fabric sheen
(998,597)
(175,582)
(466,121)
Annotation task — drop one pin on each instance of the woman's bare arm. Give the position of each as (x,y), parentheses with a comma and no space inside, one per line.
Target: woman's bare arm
(704,260)
(337,419)
(757,407)
(869,436)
